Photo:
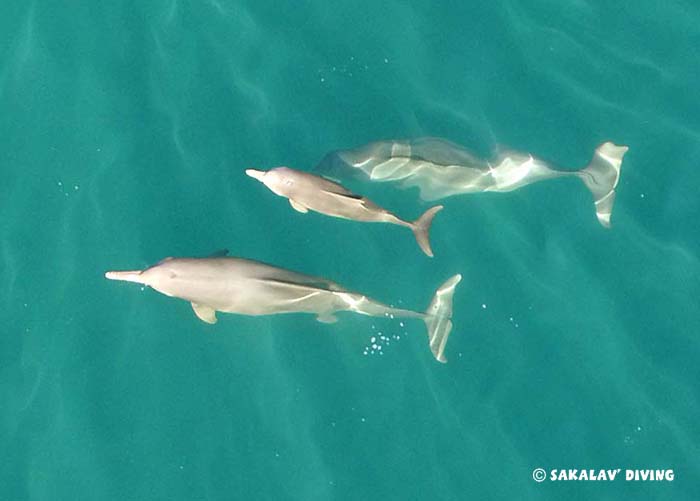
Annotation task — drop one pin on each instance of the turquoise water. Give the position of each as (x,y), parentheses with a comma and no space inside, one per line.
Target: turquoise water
(124,133)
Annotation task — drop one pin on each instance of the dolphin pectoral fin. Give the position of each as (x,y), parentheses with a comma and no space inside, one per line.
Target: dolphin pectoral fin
(204,313)
(298,207)
(327,318)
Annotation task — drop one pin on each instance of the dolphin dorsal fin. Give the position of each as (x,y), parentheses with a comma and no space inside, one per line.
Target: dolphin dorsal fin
(305,282)
(348,195)
(219,253)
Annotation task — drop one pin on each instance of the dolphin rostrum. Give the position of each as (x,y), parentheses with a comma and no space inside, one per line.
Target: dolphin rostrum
(308,191)
(442,169)
(246,287)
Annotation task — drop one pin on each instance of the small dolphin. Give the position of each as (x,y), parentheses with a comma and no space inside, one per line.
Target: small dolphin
(308,191)
(442,169)
(246,287)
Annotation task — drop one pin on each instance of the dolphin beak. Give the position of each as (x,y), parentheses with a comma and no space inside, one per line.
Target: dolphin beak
(126,276)
(257,174)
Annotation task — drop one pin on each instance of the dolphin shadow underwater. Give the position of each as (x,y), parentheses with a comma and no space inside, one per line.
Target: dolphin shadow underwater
(441,169)
(247,287)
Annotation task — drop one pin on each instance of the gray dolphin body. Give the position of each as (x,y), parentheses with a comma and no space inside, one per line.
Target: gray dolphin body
(307,191)
(246,287)
(442,169)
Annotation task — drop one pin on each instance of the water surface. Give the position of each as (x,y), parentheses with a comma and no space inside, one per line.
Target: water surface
(125,130)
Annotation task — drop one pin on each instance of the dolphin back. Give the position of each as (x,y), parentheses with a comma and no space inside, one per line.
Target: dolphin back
(396,159)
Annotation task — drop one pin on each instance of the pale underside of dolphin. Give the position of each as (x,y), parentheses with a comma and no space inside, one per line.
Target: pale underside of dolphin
(307,191)
(442,169)
(246,287)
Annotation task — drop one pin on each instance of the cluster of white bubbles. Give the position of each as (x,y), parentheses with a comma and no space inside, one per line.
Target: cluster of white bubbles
(349,67)
(380,341)
(65,189)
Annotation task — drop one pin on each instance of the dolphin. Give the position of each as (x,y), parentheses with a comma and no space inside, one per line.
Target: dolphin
(247,287)
(308,191)
(442,169)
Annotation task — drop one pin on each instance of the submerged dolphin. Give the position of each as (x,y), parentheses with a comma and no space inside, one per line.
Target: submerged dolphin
(441,169)
(308,191)
(246,287)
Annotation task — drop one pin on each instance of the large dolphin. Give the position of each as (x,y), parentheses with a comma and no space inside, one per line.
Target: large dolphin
(246,287)
(308,191)
(442,169)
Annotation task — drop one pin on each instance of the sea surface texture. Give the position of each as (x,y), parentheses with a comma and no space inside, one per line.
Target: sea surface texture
(125,131)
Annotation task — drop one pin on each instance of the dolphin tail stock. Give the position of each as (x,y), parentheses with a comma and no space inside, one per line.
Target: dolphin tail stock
(438,317)
(601,177)
(421,229)
(126,276)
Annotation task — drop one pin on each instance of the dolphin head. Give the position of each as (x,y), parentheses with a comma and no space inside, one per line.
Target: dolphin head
(279,180)
(154,276)
(125,276)
(256,174)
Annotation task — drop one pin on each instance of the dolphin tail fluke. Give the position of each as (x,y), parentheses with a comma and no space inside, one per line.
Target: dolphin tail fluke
(601,177)
(421,229)
(438,317)
(126,276)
